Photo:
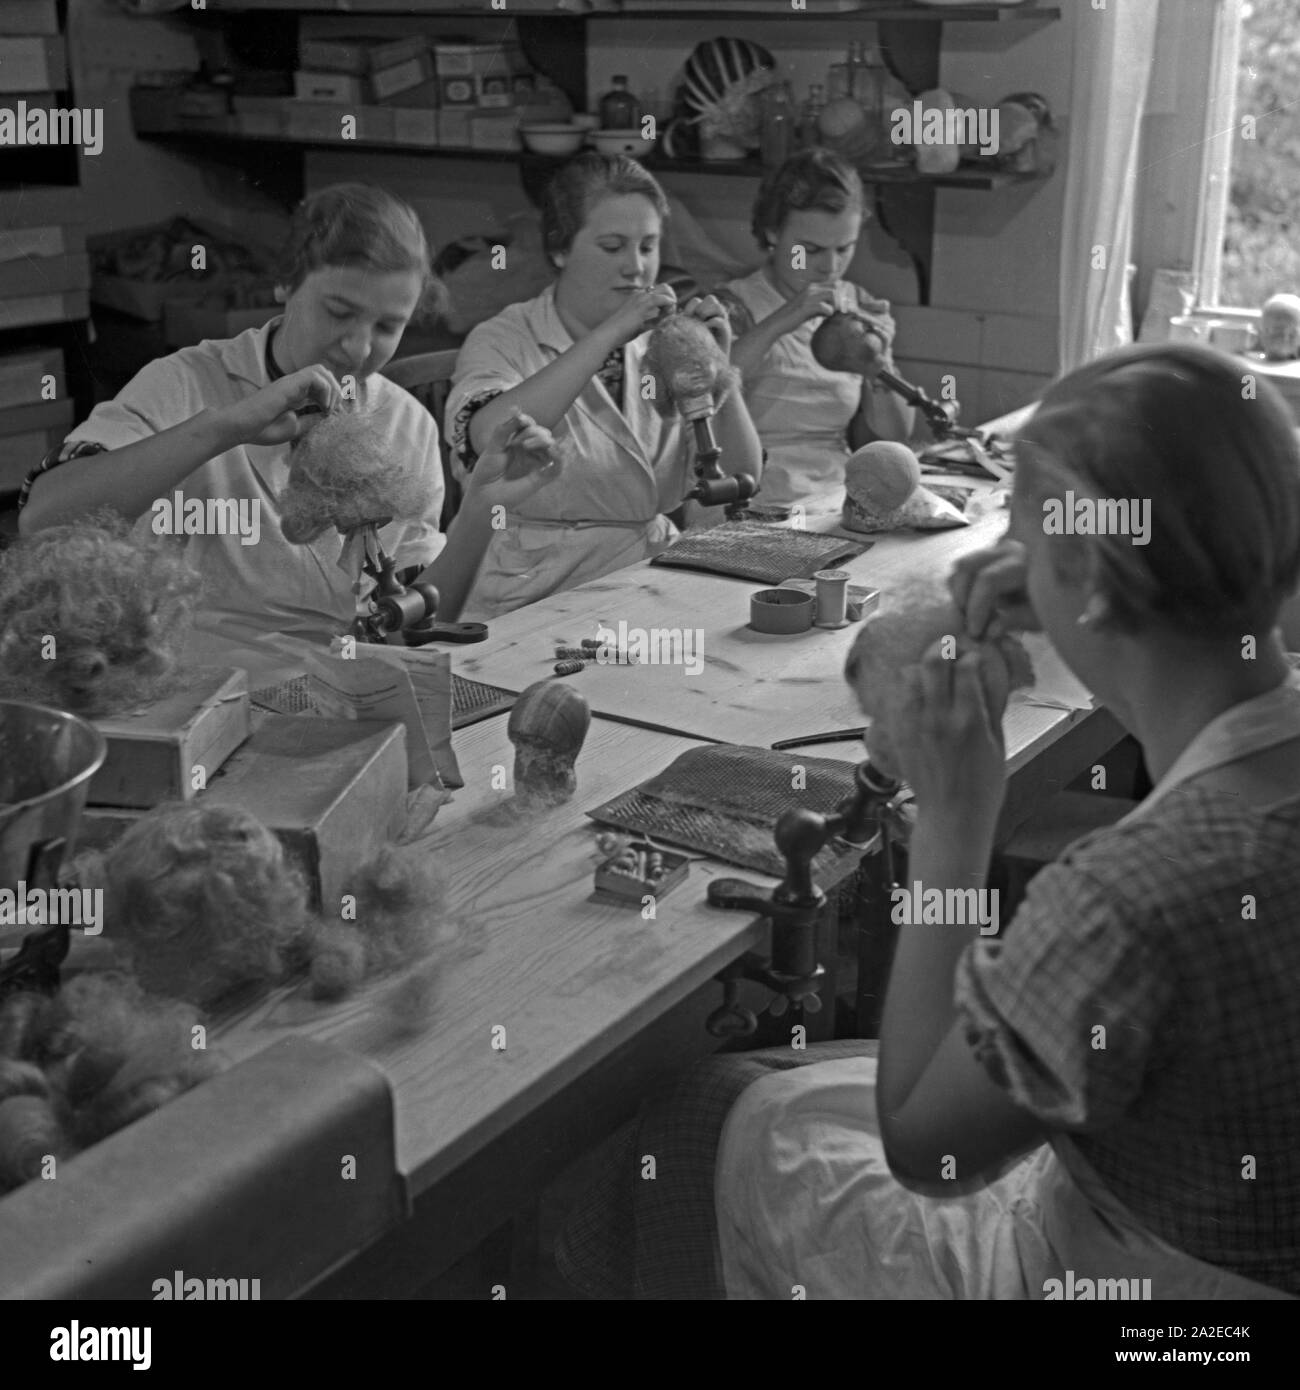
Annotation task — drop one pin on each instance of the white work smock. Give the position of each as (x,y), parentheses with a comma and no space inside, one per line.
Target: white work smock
(255,594)
(801,410)
(622,472)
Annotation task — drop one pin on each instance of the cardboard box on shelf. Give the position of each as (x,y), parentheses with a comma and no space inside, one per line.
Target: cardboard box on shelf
(390,82)
(330,86)
(262,115)
(415,126)
(477,59)
(357,55)
(23,376)
(44,415)
(32,63)
(44,308)
(453,127)
(494,130)
(20,453)
(47,275)
(426,96)
(29,17)
(376,123)
(317,120)
(23,243)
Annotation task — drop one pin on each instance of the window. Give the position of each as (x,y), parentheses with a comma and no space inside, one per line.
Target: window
(1260,248)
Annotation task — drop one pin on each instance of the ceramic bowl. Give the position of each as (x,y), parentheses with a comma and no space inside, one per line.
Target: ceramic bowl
(553,137)
(621,142)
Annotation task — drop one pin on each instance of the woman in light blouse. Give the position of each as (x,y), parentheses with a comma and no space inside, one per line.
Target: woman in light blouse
(570,360)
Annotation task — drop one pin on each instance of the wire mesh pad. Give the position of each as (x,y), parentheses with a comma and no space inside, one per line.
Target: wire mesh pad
(470,700)
(725,800)
(765,554)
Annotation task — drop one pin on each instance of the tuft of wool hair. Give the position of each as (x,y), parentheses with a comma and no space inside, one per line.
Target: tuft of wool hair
(684,359)
(114,1053)
(21,1079)
(338,960)
(92,618)
(401,924)
(344,472)
(205,901)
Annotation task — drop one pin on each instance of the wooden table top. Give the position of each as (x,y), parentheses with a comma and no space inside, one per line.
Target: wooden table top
(751,688)
(568,977)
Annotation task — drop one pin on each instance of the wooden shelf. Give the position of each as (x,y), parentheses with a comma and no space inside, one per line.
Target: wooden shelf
(664,9)
(971,177)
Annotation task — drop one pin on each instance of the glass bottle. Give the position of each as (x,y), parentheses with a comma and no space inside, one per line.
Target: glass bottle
(776,137)
(619,108)
(809,129)
(879,93)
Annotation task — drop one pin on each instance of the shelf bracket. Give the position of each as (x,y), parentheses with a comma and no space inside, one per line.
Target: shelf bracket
(906,212)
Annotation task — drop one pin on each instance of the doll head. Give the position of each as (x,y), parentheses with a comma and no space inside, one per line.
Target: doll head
(899,637)
(342,473)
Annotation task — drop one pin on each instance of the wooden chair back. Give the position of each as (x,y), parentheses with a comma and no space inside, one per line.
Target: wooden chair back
(427,376)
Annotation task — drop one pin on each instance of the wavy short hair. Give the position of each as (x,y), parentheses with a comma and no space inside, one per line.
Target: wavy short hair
(583,182)
(816,180)
(1212,447)
(358,225)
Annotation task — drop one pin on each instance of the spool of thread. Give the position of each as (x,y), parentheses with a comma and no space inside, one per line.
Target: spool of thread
(573,654)
(569,668)
(832,598)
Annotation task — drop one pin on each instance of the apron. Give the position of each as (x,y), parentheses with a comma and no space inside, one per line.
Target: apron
(804,1195)
(800,409)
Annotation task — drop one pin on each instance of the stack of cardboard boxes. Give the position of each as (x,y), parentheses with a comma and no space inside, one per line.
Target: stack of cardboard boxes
(407,91)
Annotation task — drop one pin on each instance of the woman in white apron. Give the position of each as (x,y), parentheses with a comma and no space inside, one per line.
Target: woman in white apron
(571,360)
(807,219)
(1100,1103)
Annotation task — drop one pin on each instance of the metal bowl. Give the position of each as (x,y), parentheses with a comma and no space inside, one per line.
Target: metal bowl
(47,758)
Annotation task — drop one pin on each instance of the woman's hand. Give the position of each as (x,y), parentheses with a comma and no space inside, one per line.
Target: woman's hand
(520,448)
(947,732)
(817,300)
(269,415)
(714,317)
(989,589)
(643,309)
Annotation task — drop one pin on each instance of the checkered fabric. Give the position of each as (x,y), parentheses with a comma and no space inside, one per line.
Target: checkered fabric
(1144,999)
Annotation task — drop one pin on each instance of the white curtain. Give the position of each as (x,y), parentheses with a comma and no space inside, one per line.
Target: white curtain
(1113,52)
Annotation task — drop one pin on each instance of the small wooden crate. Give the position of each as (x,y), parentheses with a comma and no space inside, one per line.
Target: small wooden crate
(153,751)
(631,886)
(332,790)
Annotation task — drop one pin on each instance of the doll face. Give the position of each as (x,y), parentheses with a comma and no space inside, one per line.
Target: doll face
(813,247)
(1279,328)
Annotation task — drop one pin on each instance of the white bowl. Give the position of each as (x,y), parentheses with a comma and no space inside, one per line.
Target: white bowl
(621,142)
(552,137)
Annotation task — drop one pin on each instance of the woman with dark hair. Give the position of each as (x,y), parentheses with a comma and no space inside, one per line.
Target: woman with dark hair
(571,359)
(807,219)
(216,421)
(1107,1091)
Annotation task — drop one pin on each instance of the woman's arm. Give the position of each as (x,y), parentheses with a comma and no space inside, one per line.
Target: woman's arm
(137,474)
(881,415)
(546,396)
(521,458)
(750,349)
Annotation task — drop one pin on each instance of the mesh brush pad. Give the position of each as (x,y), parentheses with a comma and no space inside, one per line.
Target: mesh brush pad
(751,550)
(724,800)
(470,700)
